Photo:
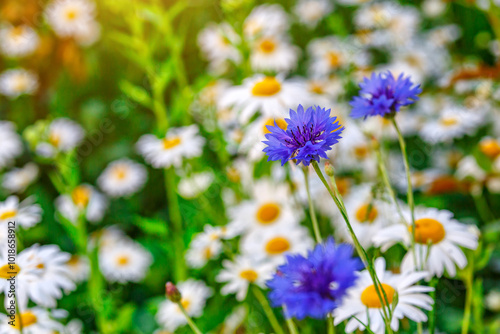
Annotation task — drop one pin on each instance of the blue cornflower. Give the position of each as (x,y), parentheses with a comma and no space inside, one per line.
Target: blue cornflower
(383,95)
(314,285)
(308,136)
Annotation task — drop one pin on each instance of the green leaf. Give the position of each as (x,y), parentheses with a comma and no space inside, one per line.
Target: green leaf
(152,226)
(136,93)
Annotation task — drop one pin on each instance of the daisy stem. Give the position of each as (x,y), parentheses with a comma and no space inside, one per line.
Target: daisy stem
(292,328)
(176,225)
(331,326)
(432,315)
(317,233)
(411,203)
(337,198)
(385,177)
(190,321)
(469,286)
(482,206)
(268,310)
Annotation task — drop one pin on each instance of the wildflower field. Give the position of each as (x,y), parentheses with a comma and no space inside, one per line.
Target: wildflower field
(241,166)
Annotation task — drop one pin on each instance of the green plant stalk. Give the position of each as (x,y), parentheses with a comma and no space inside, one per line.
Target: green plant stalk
(267,310)
(337,198)
(174,213)
(314,220)
(385,178)
(482,207)
(469,286)
(411,202)
(330,324)
(190,321)
(292,328)
(432,314)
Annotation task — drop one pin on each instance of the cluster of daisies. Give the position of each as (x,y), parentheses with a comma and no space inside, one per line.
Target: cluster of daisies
(312,185)
(25,38)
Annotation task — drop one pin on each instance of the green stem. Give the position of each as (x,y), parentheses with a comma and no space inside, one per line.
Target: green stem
(432,315)
(337,198)
(330,324)
(267,310)
(174,213)
(190,321)
(468,281)
(317,233)
(292,328)
(482,207)
(411,202)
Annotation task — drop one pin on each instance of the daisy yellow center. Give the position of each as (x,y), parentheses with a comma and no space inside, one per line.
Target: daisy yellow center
(249,275)
(361,151)
(81,196)
(369,296)
(316,88)
(207,253)
(122,260)
(8,214)
(490,148)
(277,245)
(169,143)
(366,213)
(333,59)
(280,122)
(54,139)
(73,261)
(25,320)
(120,172)
(185,303)
(343,185)
(268,213)
(71,14)
(268,86)
(16,32)
(267,45)
(9,270)
(40,266)
(449,121)
(428,230)
(20,83)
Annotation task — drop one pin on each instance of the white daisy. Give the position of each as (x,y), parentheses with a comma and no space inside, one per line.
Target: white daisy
(179,143)
(271,95)
(30,321)
(122,177)
(310,12)
(126,261)
(367,215)
(78,268)
(362,301)
(251,143)
(17,82)
(83,199)
(194,296)
(329,54)
(438,238)
(11,145)
(70,18)
(242,272)
(62,135)
(266,20)
(453,122)
(18,41)
(207,245)
(271,206)
(194,185)
(492,301)
(25,213)
(273,244)
(218,44)
(18,179)
(48,263)
(273,53)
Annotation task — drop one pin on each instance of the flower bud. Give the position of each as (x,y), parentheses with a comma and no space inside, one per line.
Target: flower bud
(329,169)
(172,292)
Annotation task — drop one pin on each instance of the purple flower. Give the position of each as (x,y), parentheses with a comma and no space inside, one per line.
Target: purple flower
(313,286)
(308,136)
(383,94)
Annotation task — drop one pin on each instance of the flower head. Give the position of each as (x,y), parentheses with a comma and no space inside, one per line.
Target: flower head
(383,94)
(306,136)
(314,285)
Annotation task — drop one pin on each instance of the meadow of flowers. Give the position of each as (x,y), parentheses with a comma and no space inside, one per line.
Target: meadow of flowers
(241,166)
